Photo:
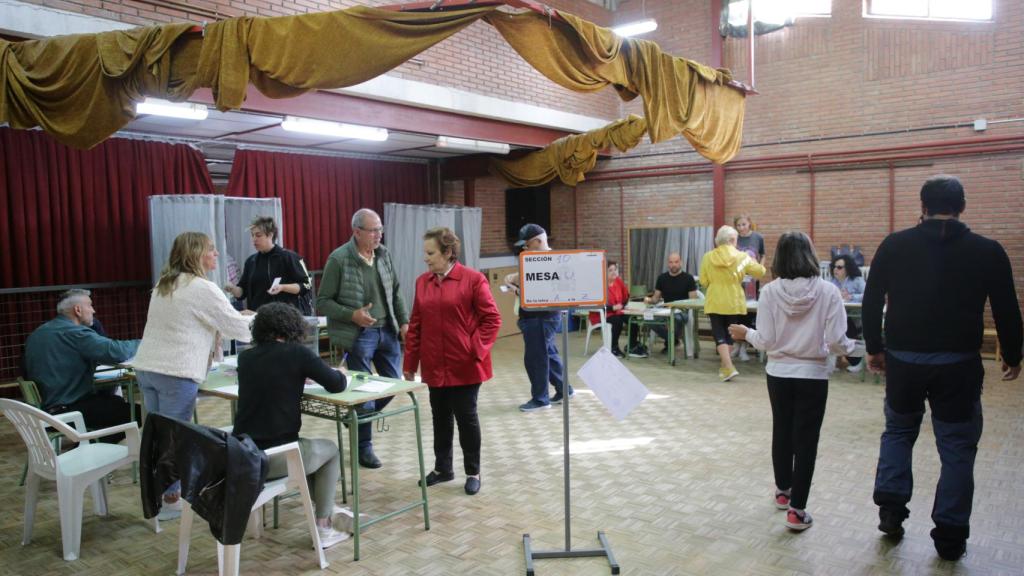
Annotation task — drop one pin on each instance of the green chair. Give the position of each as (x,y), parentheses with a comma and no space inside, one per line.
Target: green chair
(30,395)
(637,291)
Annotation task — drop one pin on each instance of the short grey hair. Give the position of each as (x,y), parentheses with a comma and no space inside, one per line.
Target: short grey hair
(360,215)
(70,299)
(725,235)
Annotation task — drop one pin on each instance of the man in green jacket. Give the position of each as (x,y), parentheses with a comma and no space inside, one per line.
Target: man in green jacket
(366,317)
(61,356)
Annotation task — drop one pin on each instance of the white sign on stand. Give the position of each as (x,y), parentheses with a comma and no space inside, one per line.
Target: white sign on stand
(562,279)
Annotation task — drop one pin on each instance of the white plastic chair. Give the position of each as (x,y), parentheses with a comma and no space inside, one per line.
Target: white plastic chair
(604,327)
(74,470)
(228,557)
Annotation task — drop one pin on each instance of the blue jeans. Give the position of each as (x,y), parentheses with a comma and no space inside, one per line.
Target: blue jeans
(662,329)
(543,364)
(168,396)
(953,392)
(379,347)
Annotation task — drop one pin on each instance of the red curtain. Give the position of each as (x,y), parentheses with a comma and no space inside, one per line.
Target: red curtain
(82,216)
(319,194)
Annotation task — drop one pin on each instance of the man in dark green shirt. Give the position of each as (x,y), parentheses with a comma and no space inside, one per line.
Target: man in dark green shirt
(366,316)
(61,356)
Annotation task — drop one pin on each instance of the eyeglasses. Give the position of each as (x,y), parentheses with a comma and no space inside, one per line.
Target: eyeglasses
(840,267)
(372,230)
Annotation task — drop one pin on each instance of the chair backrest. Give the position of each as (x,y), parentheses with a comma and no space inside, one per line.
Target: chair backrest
(30,393)
(31,423)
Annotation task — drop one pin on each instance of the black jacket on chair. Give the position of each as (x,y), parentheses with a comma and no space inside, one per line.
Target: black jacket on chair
(221,474)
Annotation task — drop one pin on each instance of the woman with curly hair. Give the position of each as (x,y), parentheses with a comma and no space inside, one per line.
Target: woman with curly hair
(271,379)
(847,277)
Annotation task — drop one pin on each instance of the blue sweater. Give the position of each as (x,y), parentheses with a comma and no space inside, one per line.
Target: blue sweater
(61,356)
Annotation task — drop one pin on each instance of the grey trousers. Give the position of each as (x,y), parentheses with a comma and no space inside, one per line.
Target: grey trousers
(320,458)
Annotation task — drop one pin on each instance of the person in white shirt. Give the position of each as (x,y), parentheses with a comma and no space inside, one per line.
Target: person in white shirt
(800,318)
(187,316)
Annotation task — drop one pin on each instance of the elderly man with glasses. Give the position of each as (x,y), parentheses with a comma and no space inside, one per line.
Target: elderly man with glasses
(366,317)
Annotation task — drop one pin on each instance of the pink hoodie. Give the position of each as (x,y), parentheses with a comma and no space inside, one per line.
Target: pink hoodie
(799,321)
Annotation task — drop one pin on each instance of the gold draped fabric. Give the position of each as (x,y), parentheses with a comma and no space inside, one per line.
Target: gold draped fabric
(680,96)
(569,157)
(82,88)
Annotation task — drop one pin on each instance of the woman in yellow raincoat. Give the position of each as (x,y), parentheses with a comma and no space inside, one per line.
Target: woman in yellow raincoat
(721,274)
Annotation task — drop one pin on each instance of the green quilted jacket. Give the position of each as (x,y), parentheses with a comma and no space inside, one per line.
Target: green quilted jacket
(341,292)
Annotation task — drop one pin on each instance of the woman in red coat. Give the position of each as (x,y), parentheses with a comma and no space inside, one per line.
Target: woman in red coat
(454,325)
(618,296)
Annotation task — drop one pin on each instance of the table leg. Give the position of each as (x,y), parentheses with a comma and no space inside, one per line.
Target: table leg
(131,414)
(419,452)
(629,337)
(341,453)
(671,340)
(353,445)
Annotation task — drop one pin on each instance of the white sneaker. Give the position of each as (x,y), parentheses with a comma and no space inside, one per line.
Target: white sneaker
(169,510)
(855,368)
(342,518)
(743,356)
(329,536)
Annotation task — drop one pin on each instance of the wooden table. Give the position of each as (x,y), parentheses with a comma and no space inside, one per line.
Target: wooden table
(340,408)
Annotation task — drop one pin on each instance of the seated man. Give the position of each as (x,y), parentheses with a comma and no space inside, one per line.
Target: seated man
(61,356)
(675,284)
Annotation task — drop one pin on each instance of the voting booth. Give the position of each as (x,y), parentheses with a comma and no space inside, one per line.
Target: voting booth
(225,219)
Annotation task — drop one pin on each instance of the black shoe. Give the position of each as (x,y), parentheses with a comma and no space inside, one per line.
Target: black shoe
(638,352)
(891,523)
(951,551)
(617,353)
(367,459)
(435,478)
(557,398)
(472,485)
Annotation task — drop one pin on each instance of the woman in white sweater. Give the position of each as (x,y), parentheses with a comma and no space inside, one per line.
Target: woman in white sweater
(187,316)
(800,317)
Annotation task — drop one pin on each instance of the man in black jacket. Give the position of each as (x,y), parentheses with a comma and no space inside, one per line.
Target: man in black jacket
(934,280)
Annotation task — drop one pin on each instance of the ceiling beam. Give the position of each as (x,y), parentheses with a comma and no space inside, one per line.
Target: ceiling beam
(326,105)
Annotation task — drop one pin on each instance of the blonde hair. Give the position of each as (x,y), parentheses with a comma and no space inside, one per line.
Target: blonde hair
(725,235)
(186,258)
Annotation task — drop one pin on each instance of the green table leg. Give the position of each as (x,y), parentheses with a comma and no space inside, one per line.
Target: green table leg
(341,454)
(419,452)
(353,444)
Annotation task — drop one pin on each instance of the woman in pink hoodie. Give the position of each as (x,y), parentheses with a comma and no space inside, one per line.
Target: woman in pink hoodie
(800,317)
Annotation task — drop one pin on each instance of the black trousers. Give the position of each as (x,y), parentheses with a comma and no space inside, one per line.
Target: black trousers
(798,407)
(101,411)
(617,322)
(449,405)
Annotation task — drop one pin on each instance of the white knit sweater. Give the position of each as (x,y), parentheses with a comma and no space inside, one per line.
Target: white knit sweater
(182,329)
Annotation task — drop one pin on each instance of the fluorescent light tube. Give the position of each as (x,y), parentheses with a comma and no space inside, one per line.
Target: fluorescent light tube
(184,110)
(335,129)
(467,145)
(635,28)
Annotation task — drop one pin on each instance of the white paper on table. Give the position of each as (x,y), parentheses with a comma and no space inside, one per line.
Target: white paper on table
(231,390)
(230,361)
(613,384)
(372,386)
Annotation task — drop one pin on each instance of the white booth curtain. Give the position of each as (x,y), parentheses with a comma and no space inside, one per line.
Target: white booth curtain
(224,219)
(405,225)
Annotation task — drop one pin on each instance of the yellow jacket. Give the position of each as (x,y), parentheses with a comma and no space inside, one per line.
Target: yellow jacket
(721,274)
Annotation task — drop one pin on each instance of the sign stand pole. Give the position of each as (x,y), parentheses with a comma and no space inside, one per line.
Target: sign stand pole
(605,549)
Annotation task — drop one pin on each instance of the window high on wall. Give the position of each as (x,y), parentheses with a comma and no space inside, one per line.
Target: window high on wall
(930,9)
(777,11)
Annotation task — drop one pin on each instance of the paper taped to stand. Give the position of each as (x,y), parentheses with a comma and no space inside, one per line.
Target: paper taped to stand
(613,384)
